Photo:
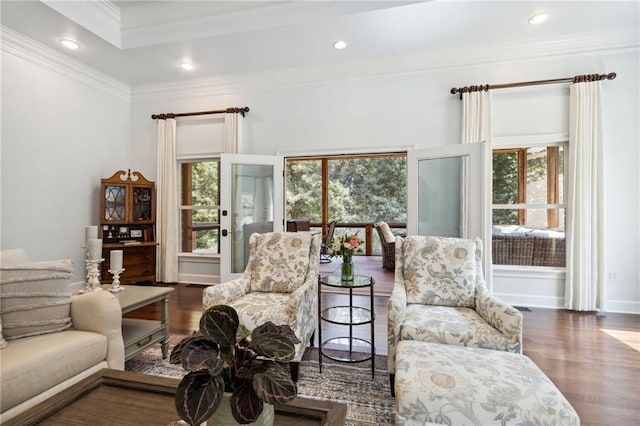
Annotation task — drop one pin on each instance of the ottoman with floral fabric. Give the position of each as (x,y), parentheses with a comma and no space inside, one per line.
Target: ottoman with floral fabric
(453,385)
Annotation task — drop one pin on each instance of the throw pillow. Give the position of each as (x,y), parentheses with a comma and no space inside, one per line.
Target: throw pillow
(386,232)
(280,261)
(13,256)
(35,298)
(440,271)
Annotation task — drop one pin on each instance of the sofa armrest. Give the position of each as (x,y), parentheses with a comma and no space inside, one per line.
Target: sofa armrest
(100,312)
(225,293)
(397,307)
(503,317)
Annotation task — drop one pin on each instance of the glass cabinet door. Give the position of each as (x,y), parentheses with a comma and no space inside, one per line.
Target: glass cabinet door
(142,208)
(115,203)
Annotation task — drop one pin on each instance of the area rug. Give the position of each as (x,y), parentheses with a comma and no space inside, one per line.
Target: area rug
(368,399)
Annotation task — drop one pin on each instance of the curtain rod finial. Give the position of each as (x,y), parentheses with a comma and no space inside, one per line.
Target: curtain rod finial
(611,76)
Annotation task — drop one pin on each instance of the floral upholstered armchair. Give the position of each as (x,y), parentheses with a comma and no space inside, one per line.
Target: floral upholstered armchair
(440,296)
(279,284)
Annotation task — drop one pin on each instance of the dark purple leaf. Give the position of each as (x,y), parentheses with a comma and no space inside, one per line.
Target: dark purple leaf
(198,396)
(270,328)
(277,347)
(245,404)
(199,354)
(274,385)
(220,324)
(176,352)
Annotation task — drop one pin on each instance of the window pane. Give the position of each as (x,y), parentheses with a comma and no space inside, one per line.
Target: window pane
(205,217)
(204,183)
(304,190)
(368,189)
(360,191)
(505,217)
(200,227)
(505,178)
(537,176)
(207,241)
(538,218)
(441,190)
(530,245)
(561,153)
(200,232)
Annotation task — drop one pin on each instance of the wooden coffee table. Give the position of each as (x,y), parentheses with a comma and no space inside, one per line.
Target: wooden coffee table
(112,397)
(139,334)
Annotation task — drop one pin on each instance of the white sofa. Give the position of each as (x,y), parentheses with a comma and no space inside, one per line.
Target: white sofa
(45,362)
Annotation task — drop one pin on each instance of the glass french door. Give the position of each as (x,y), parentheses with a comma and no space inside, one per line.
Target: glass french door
(251,200)
(447,194)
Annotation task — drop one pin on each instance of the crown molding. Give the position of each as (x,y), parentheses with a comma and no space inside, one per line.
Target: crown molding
(166,22)
(611,41)
(16,44)
(100,17)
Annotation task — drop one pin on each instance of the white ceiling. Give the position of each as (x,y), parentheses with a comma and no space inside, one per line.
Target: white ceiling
(141,42)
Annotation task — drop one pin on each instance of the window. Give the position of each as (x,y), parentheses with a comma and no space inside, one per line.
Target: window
(356,190)
(529,206)
(200,207)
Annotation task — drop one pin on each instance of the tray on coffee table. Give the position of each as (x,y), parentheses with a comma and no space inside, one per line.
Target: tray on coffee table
(111,397)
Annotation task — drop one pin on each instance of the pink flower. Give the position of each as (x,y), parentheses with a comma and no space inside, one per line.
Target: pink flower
(346,245)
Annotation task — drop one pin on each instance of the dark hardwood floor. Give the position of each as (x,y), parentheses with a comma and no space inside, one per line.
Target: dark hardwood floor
(594,359)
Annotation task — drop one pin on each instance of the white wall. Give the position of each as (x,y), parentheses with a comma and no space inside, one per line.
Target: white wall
(416,108)
(60,136)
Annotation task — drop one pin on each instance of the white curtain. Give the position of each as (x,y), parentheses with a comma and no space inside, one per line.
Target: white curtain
(476,127)
(233,133)
(585,271)
(476,117)
(168,221)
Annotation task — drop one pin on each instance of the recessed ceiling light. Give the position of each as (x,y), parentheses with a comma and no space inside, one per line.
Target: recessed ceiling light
(70,44)
(188,66)
(539,18)
(340,44)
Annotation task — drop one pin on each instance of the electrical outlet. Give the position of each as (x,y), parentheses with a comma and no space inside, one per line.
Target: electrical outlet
(612,277)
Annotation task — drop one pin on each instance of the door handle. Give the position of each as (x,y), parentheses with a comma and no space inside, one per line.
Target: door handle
(225,232)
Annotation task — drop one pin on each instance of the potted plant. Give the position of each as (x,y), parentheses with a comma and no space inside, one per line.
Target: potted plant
(225,357)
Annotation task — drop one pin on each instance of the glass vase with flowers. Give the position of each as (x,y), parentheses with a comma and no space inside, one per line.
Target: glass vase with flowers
(346,246)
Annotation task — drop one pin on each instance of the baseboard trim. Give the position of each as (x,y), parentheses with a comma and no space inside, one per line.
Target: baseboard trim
(549,302)
(532,301)
(623,307)
(198,279)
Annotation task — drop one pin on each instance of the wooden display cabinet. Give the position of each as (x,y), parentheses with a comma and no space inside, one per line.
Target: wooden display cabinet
(127,223)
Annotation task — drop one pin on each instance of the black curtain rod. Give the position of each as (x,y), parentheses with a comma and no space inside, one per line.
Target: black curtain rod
(576,79)
(242,111)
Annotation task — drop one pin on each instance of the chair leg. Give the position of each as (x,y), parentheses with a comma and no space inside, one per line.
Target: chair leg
(392,384)
(294,366)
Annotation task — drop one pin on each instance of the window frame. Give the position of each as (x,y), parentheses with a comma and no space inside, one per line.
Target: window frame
(522,205)
(324,159)
(505,143)
(184,184)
